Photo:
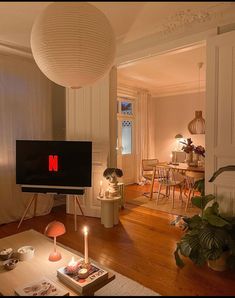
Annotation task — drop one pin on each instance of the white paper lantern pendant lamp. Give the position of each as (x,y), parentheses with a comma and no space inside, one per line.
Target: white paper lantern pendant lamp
(73,43)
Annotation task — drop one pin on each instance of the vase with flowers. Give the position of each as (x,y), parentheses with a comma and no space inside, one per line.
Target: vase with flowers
(189,148)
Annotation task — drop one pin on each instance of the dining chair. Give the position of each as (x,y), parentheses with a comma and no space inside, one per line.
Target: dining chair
(148,173)
(191,178)
(170,179)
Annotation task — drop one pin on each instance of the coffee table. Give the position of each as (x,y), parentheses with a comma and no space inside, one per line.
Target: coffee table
(39,266)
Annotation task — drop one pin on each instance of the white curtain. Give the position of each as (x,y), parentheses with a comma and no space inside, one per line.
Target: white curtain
(142,130)
(25,113)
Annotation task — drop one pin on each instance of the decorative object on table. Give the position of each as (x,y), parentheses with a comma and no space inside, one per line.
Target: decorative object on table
(78,53)
(86,258)
(209,237)
(82,281)
(25,253)
(10,263)
(189,148)
(72,266)
(101,193)
(6,253)
(55,229)
(41,287)
(197,125)
(111,175)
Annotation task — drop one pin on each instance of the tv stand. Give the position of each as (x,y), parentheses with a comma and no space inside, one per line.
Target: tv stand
(49,191)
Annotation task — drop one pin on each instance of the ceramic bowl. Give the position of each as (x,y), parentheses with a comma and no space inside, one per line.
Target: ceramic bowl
(6,253)
(25,253)
(10,264)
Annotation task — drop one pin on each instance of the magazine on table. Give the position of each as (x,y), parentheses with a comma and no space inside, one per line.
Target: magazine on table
(41,287)
(95,275)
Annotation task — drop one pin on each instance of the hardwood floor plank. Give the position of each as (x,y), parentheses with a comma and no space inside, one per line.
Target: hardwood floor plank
(140,247)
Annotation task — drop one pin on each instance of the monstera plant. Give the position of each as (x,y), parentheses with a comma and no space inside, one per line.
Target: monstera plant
(209,237)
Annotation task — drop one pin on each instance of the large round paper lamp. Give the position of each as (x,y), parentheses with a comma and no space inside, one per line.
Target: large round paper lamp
(55,229)
(73,43)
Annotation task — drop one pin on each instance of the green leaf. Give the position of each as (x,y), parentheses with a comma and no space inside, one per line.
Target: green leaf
(202,201)
(178,260)
(200,186)
(194,222)
(213,210)
(216,221)
(221,170)
(213,238)
(185,248)
(213,253)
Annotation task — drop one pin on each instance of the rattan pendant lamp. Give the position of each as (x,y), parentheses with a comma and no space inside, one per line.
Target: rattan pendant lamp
(73,43)
(197,125)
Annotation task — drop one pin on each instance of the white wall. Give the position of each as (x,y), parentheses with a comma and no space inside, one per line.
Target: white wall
(170,116)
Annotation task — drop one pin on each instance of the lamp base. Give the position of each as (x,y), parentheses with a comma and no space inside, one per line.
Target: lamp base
(54,256)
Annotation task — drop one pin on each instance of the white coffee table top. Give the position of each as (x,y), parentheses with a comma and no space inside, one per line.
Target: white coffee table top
(39,266)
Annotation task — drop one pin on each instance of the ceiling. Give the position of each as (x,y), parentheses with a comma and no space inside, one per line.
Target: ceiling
(130,20)
(173,73)
(133,22)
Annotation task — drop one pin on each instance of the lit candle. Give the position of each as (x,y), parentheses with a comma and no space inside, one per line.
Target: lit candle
(85,231)
(101,189)
(72,266)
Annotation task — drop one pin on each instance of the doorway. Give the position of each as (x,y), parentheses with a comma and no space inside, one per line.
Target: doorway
(126,157)
(172,80)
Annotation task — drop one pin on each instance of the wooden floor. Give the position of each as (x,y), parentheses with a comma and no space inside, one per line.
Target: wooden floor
(141,247)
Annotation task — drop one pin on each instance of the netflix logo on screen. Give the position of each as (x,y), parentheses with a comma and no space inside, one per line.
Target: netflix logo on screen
(54,163)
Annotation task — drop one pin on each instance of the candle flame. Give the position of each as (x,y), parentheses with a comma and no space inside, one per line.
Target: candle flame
(101,182)
(85,230)
(72,262)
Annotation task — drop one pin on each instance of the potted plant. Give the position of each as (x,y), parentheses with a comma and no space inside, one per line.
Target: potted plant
(209,237)
(189,148)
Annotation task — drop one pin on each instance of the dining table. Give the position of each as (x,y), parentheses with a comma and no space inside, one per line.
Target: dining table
(182,167)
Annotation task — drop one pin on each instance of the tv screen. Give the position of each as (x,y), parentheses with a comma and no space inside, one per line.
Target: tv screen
(53,163)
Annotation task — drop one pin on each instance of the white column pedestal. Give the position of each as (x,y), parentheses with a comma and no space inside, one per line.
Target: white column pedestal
(109,211)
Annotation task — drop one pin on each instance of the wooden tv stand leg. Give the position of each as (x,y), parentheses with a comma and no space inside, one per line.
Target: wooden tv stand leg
(76,202)
(34,199)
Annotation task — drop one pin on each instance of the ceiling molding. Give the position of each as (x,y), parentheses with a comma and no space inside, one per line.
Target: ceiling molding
(168,90)
(10,48)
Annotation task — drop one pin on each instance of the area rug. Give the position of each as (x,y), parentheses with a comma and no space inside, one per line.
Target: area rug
(123,286)
(165,205)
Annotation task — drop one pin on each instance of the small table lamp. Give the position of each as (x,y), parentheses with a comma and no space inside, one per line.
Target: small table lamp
(55,229)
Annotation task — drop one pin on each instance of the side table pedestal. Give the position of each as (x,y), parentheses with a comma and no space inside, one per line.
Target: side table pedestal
(109,211)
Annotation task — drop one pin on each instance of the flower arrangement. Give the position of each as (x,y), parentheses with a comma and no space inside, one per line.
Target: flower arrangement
(189,147)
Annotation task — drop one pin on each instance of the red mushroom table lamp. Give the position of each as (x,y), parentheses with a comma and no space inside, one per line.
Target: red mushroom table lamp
(55,229)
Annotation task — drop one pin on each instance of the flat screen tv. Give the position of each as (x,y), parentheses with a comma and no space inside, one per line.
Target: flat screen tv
(53,164)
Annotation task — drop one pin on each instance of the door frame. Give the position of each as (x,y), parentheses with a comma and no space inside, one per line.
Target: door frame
(134,52)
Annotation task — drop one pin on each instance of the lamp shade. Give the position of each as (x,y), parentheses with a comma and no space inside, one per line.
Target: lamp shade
(73,43)
(197,125)
(55,229)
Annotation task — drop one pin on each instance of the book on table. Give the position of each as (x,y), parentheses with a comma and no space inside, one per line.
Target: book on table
(81,284)
(41,287)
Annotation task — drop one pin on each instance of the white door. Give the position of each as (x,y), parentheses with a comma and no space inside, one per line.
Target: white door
(220,118)
(126,136)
